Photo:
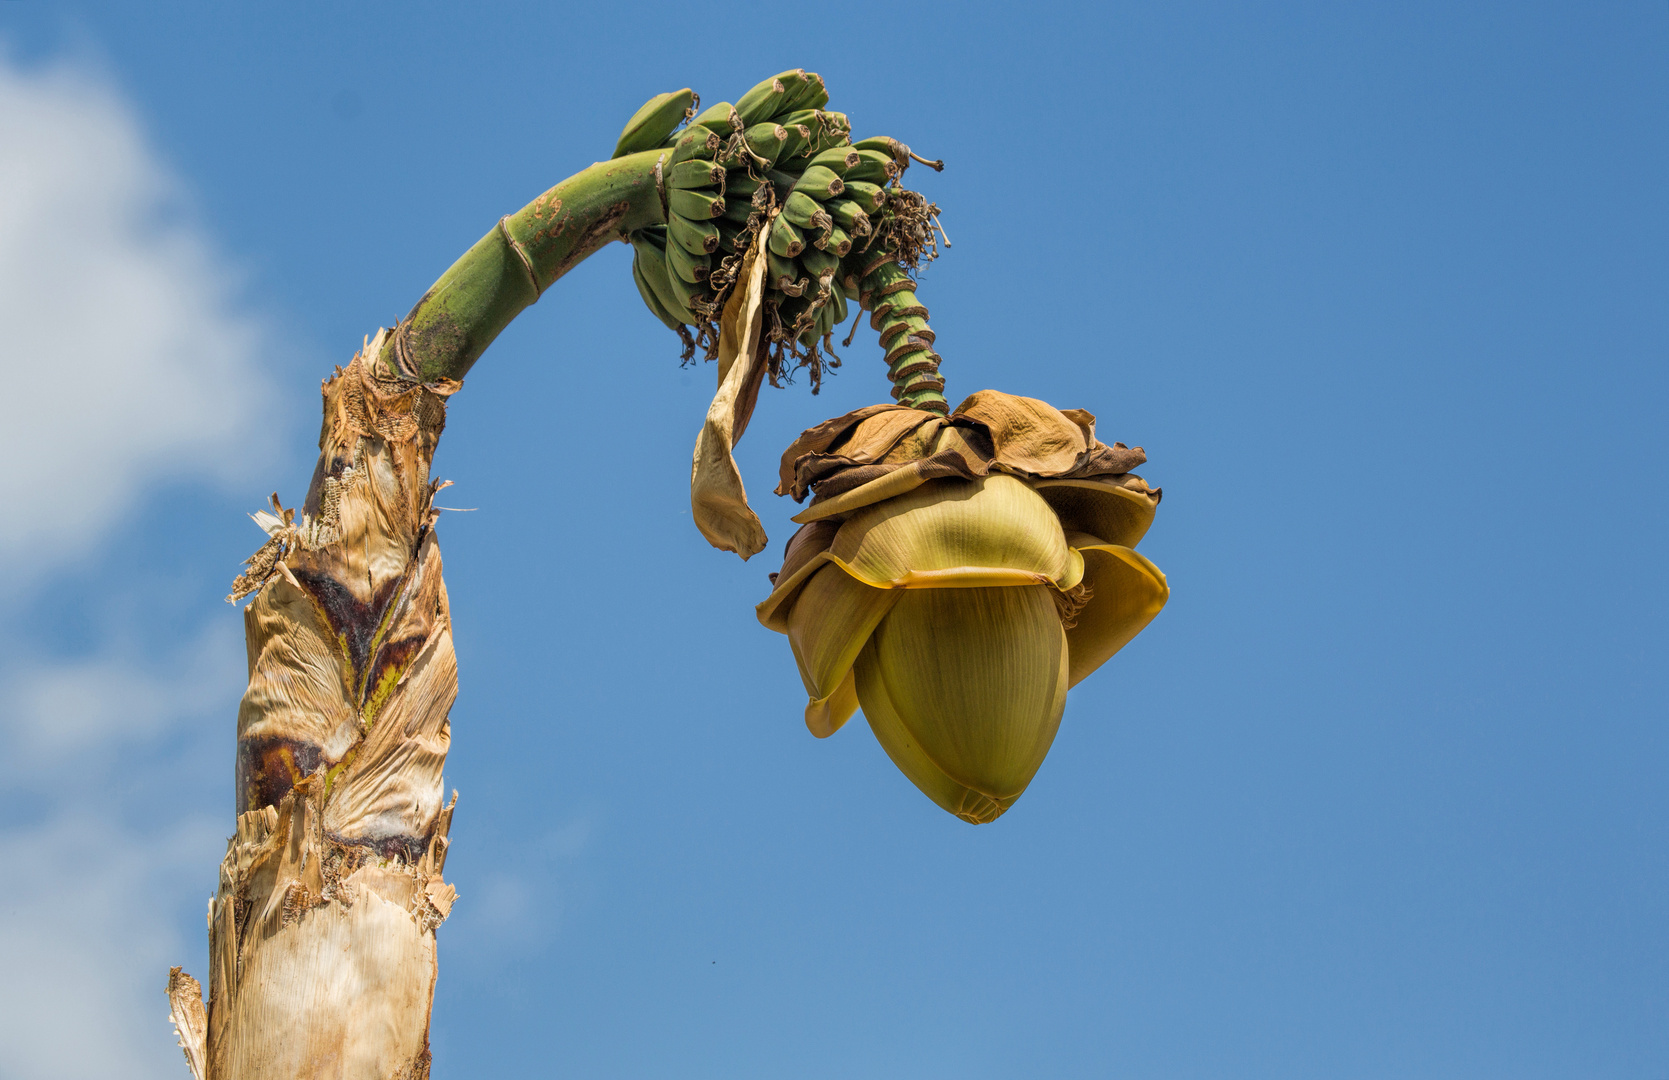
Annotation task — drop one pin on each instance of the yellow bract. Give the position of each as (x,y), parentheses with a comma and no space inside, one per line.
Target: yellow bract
(957,609)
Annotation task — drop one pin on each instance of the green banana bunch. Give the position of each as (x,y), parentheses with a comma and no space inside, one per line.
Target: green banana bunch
(837,219)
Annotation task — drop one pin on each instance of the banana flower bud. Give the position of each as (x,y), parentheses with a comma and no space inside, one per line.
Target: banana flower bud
(954,576)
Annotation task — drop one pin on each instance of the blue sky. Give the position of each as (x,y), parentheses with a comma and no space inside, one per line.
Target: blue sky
(1382,293)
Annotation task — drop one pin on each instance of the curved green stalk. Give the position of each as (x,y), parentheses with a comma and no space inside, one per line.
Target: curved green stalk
(912,365)
(508,269)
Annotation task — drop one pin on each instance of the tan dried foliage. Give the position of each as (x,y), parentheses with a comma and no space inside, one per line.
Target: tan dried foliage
(322,945)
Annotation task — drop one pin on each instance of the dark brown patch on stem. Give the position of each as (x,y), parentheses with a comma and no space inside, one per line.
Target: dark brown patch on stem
(268,767)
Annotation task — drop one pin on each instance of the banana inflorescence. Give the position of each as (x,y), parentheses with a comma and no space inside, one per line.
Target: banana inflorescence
(845,229)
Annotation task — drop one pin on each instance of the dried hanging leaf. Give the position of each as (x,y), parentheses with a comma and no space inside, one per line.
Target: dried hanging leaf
(718,500)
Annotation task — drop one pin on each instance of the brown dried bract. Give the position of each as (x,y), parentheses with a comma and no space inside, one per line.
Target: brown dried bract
(885,450)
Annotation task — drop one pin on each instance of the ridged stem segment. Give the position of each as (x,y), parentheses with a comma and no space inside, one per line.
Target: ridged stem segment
(890,295)
(508,269)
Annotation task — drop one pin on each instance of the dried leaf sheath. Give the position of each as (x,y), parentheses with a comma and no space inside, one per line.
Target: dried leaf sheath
(322,947)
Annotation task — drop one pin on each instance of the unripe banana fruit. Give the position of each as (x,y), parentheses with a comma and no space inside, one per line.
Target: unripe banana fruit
(695,142)
(786,239)
(873,167)
(721,118)
(650,125)
(767,140)
(820,183)
(695,205)
(692,268)
(695,173)
(803,210)
(695,237)
(848,216)
(785,274)
(837,158)
(869,197)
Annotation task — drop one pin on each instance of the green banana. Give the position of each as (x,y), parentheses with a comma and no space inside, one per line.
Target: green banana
(885,144)
(689,294)
(831,314)
(650,248)
(731,235)
(692,268)
(786,239)
(873,167)
(824,130)
(695,205)
(650,125)
(803,210)
(694,173)
(650,300)
(718,118)
(837,130)
(820,183)
(838,158)
(820,264)
(738,210)
(802,90)
(766,100)
(695,237)
(739,183)
(784,274)
(849,216)
(814,333)
(797,140)
(869,197)
(789,310)
(696,142)
(835,241)
(766,140)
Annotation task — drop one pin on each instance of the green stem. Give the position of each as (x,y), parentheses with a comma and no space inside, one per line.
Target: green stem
(519,259)
(912,365)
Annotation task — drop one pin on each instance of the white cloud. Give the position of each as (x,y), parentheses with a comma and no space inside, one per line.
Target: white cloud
(124,355)
(127,361)
(86,947)
(70,712)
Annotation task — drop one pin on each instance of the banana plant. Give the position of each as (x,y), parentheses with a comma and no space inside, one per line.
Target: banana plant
(955,571)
